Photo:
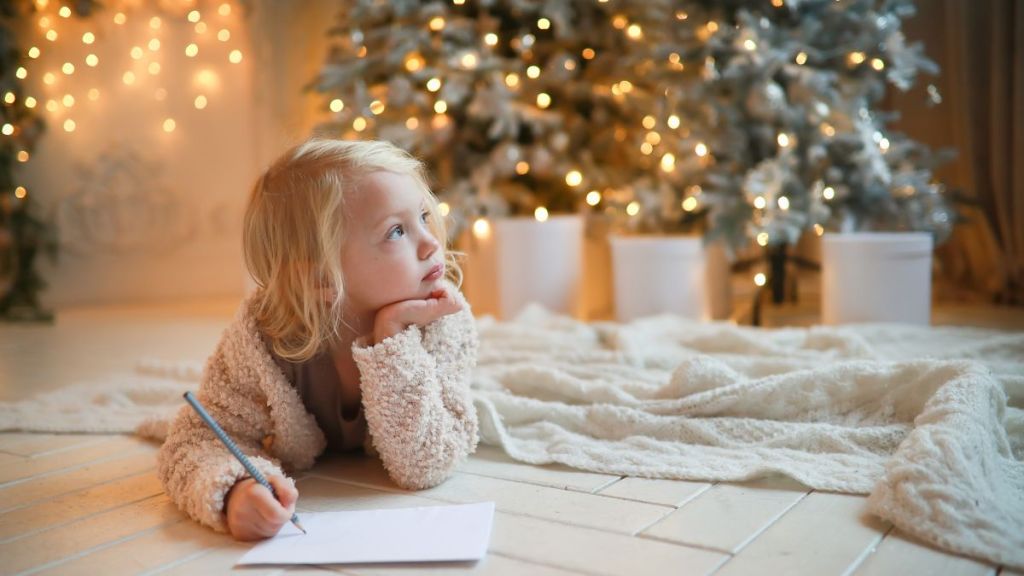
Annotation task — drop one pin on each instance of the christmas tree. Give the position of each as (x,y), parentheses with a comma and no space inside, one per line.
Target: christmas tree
(24,234)
(755,120)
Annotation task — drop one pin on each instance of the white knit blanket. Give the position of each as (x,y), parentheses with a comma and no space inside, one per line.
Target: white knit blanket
(928,421)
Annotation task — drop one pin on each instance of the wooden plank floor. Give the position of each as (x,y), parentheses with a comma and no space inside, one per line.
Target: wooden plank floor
(79,504)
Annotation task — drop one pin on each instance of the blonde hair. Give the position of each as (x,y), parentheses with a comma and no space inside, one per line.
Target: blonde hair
(293,231)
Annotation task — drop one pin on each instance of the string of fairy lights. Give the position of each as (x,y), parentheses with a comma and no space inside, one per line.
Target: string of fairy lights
(72,63)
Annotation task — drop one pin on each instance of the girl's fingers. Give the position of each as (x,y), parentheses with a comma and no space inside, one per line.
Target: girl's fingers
(285,489)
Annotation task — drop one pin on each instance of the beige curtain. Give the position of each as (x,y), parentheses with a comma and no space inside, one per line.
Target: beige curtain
(980,47)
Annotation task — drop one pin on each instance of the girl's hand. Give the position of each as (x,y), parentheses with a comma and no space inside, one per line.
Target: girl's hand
(394,318)
(254,513)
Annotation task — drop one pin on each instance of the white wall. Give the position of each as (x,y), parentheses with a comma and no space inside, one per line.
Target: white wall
(146,214)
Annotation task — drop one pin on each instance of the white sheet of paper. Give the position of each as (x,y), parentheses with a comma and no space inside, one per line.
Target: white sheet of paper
(425,534)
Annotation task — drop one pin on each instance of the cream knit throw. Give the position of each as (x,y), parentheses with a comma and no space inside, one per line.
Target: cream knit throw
(928,421)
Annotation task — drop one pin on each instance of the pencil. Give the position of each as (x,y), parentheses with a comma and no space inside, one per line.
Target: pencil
(253,471)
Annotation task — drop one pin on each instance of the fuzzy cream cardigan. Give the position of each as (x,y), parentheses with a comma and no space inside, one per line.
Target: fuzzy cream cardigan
(415,394)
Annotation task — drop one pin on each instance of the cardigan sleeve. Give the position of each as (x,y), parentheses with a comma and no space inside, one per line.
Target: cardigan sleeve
(194,467)
(415,389)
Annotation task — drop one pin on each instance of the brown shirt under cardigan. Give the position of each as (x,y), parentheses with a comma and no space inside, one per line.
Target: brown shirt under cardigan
(317,382)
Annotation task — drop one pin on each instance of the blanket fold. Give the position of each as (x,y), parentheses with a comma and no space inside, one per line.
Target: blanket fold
(928,421)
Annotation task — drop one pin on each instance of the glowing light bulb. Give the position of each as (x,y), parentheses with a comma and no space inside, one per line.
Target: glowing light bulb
(128,77)
(783,202)
(690,204)
(828,193)
(120,18)
(155,22)
(783,139)
(33,52)
(359,124)
(49,78)
(235,57)
(819,229)
(574,178)
(436,23)
(169,125)
(633,208)
(491,39)
(801,58)
(701,149)
(412,123)
(855,58)
(224,9)
(668,162)
(512,80)
(443,208)
(69,125)
(749,45)
(337,105)
(482,228)
(673,122)
(136,53)
(194,16)
(762,239)
(533,72)
(543,23)
(92,60)
(21,73)
(543,100)
(154,44)
(30,102)
(593,197)
(434,84)
(648,122)
(224,35)
(68,100)
(469,60)
(647,148)
(878,64)
(191,50)
(760,202)
(9,98)
(153,68)
(440,107)
(760,279)
(20,192)
(22,156)
(635,32)
(51,35)
(64,12)
(522,167)
(377,107)
(541,214)
(588,54)
(7,129)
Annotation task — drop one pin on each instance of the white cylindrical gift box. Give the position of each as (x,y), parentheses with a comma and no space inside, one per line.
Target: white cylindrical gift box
(876,277)
(539,262)
(660,274)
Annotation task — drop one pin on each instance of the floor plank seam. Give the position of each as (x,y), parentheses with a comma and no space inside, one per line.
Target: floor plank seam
(867,552)
(178,562)
(565,487)
(52,497)
(73,447)
(607,485)
(683,544)
(771,522)
(74,520)
(540,563)
(68,469)
(93,549)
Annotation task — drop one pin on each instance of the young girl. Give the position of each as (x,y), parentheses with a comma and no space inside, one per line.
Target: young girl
(355,337)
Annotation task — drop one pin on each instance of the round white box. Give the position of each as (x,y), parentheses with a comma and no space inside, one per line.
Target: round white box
(876,277)
(660,274)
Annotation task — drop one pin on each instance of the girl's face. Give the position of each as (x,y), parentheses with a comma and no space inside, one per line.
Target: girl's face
(389,253)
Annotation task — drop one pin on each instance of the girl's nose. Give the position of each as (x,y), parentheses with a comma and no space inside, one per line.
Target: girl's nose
(428,245)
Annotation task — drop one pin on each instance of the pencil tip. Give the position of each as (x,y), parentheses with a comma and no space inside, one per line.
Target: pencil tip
(299,526)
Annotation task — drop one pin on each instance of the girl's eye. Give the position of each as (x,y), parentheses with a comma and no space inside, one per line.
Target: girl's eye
(396,232)
(424,216)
